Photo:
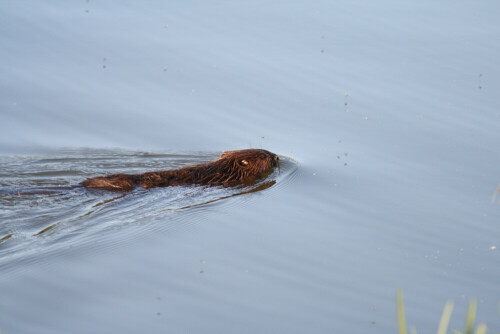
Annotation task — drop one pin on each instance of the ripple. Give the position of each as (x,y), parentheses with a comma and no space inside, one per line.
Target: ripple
(40,216)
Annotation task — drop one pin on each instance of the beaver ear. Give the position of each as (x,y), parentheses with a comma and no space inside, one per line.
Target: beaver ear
(242,163)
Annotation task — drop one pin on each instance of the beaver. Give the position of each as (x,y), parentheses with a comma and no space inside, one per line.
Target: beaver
(230,169)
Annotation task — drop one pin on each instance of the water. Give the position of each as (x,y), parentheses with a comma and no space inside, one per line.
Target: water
(386,114)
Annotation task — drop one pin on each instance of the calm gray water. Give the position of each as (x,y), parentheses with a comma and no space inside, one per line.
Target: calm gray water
(386,115)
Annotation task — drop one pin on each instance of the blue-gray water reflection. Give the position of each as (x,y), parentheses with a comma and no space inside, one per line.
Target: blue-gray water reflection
(389,109)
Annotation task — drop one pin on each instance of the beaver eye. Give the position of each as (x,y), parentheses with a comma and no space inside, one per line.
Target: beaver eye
(243,162)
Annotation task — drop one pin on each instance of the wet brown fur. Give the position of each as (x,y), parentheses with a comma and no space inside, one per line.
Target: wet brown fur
(231,168)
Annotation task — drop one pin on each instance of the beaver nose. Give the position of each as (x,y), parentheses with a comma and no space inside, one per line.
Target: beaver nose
(276,158)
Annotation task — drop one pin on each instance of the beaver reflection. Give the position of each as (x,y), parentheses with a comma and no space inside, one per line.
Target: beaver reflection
(231,168)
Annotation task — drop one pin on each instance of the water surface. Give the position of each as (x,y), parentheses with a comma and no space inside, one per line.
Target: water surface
(387,113)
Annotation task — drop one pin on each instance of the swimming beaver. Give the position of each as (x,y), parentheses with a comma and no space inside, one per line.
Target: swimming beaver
(231,168)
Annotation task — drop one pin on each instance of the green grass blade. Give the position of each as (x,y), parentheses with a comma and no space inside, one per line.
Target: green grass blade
(401,311)
(481,329)
(445,318)
(471,317)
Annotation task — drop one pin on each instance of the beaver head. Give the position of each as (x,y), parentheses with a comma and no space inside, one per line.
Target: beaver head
(251,162)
